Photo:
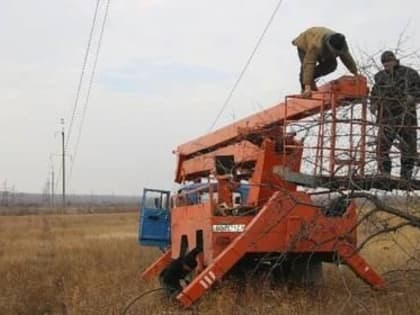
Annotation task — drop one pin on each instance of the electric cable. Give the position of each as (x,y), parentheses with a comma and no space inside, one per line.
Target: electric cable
(126,308)
(92,76)
(247,63)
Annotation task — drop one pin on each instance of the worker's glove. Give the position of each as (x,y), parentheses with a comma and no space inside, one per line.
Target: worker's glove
(307,93)
(410,99)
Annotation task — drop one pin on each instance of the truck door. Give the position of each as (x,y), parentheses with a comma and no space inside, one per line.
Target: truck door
(154,225)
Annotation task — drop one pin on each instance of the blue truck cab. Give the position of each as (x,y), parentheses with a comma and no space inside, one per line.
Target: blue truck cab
(155,211)
(154,225)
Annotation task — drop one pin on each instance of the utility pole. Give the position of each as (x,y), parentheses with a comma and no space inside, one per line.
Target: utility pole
(52,186)
(5,195)
(63,163)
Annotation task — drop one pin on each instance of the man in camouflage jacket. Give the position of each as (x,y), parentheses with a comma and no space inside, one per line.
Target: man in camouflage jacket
(393,100)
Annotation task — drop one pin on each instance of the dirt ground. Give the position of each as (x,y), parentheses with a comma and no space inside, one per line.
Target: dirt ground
(91,264)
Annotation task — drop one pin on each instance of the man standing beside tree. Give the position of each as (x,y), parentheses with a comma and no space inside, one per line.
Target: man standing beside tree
(393,100)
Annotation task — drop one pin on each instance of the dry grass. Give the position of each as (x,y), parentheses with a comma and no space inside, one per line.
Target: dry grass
(90,264)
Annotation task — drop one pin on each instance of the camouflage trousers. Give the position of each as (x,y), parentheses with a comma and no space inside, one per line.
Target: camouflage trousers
(407,144)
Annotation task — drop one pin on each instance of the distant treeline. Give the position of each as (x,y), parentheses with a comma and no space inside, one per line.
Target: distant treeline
(8,198)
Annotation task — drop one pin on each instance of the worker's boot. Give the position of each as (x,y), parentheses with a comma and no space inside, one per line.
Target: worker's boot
(406,172)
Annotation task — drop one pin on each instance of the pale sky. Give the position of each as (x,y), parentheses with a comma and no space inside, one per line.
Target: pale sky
(164,71)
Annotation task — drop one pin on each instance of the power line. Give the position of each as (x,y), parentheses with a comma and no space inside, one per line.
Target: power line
(248,62)
(81,79)
(92,76)
(82,74)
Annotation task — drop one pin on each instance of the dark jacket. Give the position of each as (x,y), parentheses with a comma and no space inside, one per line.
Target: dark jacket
(394,95)
(173,274)
(313,43)
(178,269)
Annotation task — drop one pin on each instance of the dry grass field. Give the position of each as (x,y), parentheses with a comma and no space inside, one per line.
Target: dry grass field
(90,264)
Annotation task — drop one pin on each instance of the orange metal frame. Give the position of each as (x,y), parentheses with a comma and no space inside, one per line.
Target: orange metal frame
(286,220)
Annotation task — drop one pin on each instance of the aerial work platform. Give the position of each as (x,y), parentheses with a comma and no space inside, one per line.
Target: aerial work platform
(320,142)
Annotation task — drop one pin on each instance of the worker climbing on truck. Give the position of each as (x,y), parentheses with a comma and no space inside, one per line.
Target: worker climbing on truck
(318,49)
